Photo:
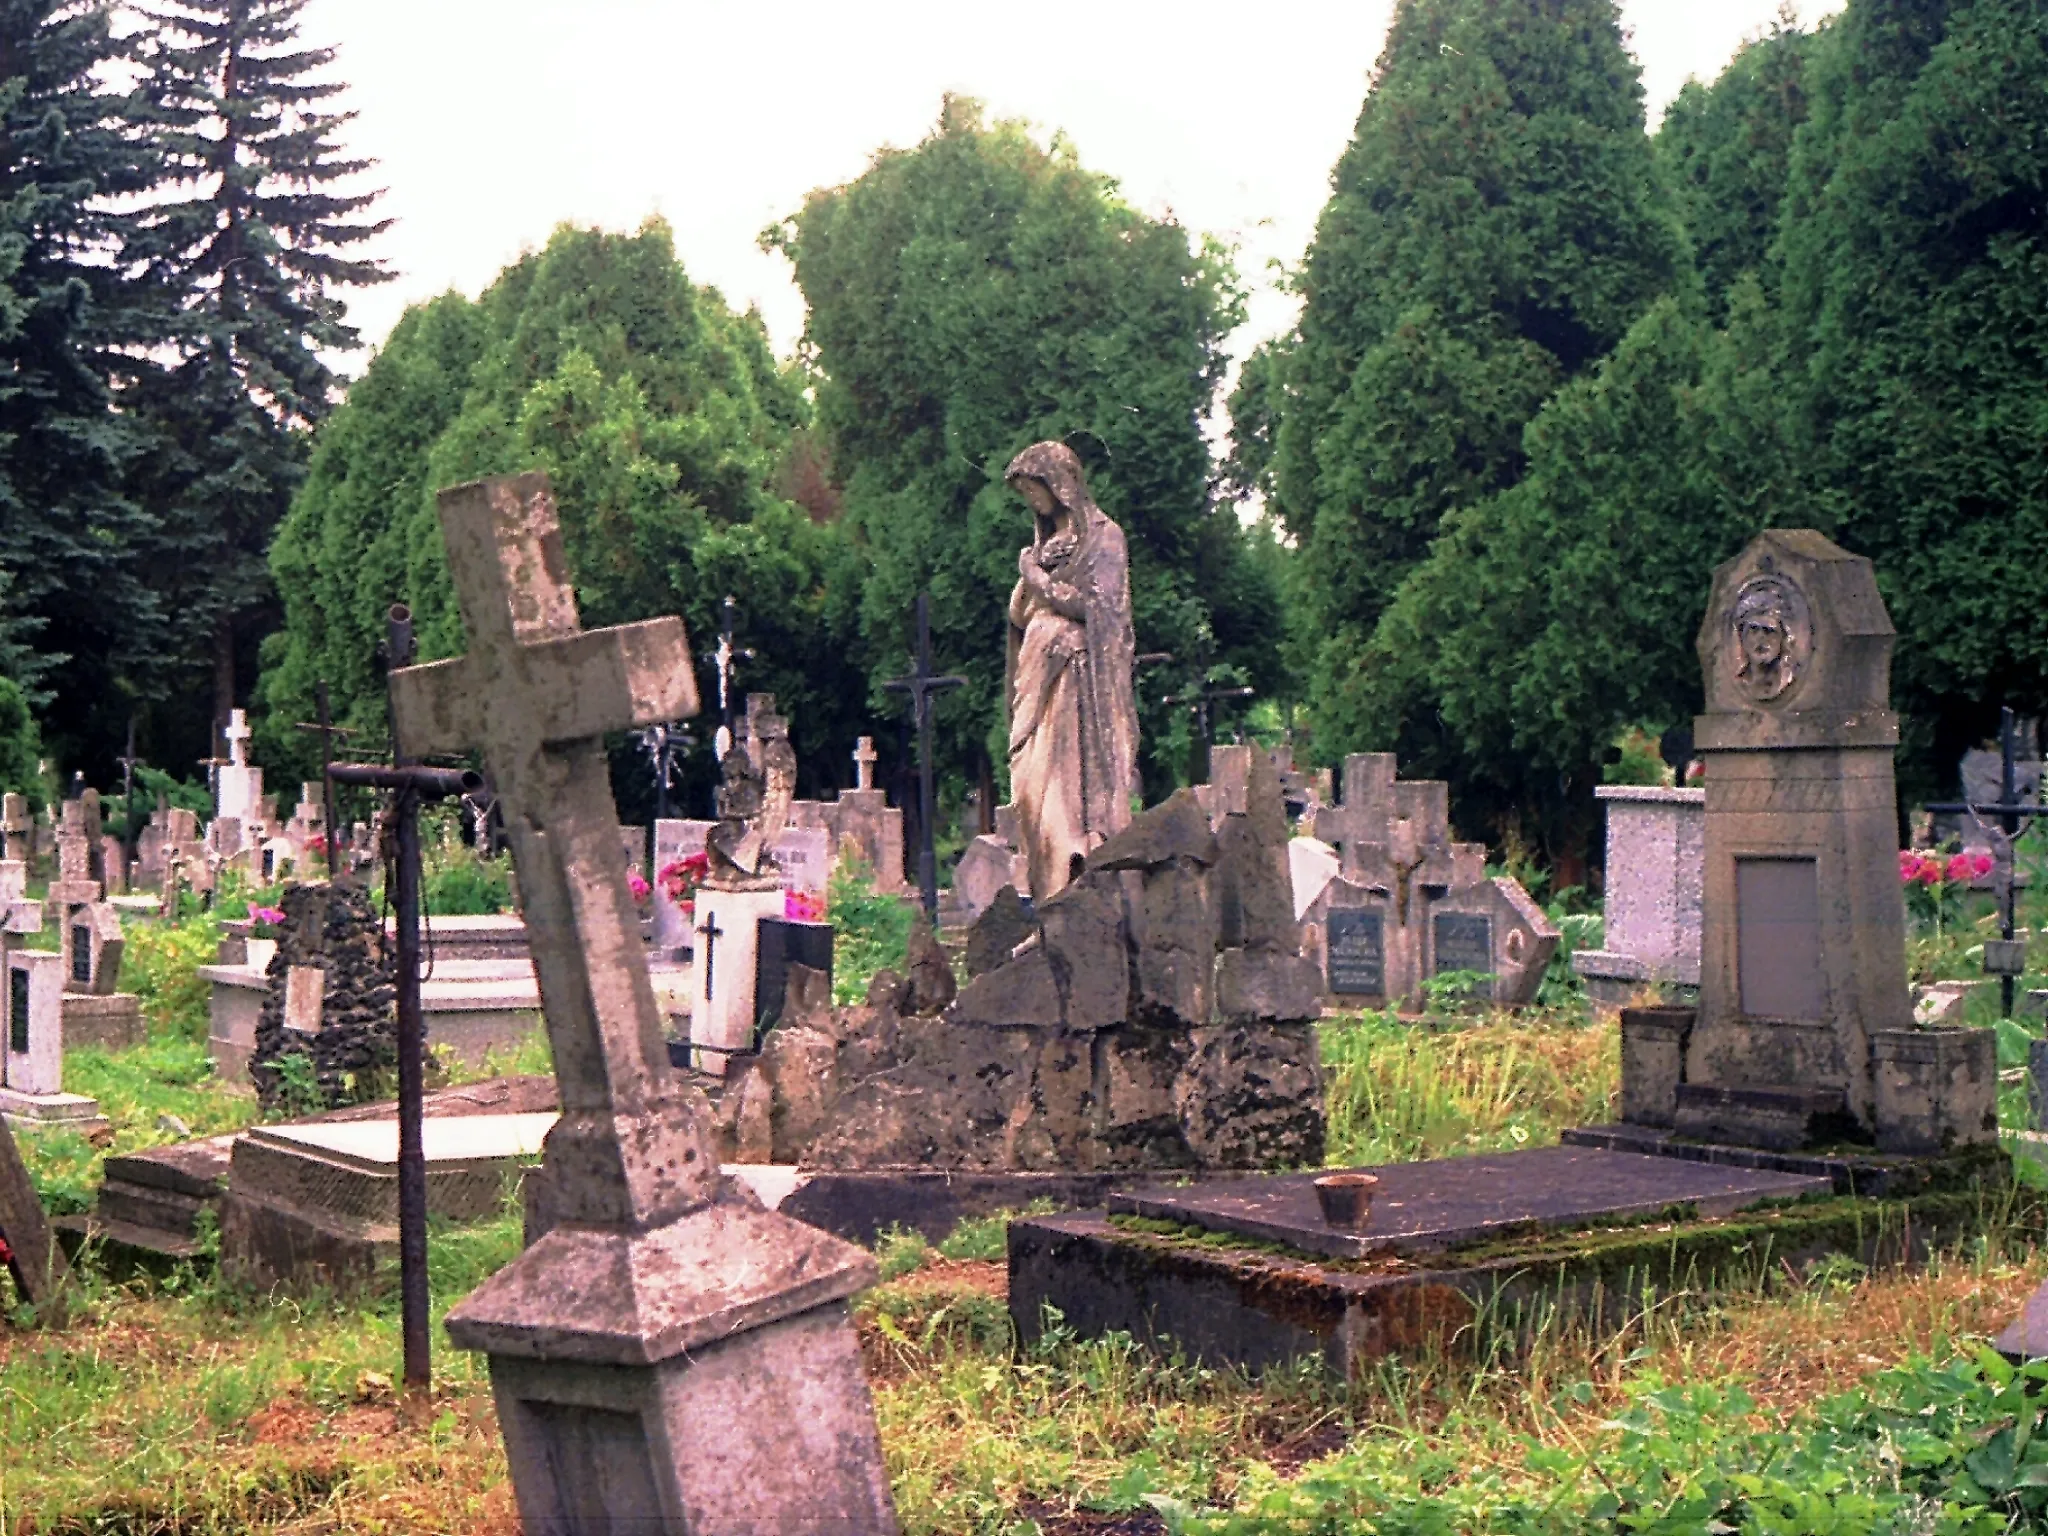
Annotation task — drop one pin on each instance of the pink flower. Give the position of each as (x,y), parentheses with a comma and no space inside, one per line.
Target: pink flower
(270,915)
(1980,864)
(637,884)
(1909,865)
(803,907)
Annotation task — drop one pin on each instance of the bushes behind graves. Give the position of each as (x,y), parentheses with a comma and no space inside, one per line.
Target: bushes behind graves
(665,424)
(20,743)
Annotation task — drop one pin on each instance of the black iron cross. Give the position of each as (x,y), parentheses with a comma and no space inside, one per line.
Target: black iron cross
(129,763)
(328,731)
(712,934)
(726,659)
(1199,701)
(2011,813)
(664,742)
(921,684)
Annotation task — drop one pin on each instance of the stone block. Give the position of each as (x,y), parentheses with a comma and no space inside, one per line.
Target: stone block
(1266,985)
(1936,1089)
(994,936)
(112,1023)
(1776,1119)
(1653,1063)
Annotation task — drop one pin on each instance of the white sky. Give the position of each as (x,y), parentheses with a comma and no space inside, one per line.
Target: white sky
(495,120)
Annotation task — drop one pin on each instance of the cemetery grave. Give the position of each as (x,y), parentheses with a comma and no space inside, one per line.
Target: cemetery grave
(1524,1239)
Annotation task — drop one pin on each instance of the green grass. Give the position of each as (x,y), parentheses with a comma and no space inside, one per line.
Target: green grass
(1398,1089)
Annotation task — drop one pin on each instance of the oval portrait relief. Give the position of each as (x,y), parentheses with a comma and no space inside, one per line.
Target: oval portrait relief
(1773,636)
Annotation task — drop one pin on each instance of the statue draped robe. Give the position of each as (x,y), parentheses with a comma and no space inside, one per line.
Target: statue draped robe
(1073,710)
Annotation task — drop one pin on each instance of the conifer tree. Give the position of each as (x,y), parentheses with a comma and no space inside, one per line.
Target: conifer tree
(1495,226)
(1914,256)
(1726,151)
(77,628)
(245,261)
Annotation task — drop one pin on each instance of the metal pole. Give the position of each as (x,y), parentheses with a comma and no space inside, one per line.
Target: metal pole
(327,773)
(927,854)
(412,1155)
(2010,822)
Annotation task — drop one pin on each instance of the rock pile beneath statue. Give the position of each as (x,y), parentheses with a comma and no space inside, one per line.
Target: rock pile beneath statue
(1155,1014)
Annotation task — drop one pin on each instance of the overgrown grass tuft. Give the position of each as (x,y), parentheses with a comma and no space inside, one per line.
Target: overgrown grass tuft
(1399,1089)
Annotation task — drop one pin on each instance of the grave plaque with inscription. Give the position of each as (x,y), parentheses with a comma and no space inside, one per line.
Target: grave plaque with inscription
(81,952)
(1355,956)
(1777,939)
(17,1010)
(1464,942)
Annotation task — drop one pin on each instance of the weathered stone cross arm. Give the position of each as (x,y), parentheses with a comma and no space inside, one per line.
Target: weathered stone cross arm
(536,694)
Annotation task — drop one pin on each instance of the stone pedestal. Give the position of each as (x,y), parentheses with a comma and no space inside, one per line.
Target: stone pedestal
(1935,1089)
(727,957)
(641,1396)
(1656,845)
(1652,1063)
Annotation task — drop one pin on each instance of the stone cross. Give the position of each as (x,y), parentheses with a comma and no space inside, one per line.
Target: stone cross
(237,733)
(670,1350)
(864,763)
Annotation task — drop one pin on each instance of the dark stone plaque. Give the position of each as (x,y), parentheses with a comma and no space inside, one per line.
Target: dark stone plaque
(1777,939)
(17,1009)
(1464,942)
(786,942)
(1355,953)
(81,952)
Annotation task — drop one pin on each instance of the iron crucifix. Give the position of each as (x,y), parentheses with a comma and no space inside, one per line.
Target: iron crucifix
(922,684)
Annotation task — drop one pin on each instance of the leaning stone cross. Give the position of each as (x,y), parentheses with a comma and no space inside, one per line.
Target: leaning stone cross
(669,1351)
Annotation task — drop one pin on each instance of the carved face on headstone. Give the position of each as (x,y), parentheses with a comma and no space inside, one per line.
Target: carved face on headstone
(1772,636)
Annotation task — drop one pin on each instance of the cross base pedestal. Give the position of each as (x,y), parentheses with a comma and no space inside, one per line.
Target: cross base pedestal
(727,950)
(636,1377)
(50,1111)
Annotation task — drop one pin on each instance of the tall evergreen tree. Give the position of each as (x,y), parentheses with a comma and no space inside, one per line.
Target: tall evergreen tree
(976,294)
(1726,151)
(246,266)
(78,631)
(1495,226)
(1914,260)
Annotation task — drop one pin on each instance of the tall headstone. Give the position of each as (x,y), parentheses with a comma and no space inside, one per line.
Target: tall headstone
(864,820)
(32,1038)
(671,1355)
(1804,1031)
(239,792)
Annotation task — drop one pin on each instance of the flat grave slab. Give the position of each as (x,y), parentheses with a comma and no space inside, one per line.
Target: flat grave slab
(1430,1206)
(448,1140)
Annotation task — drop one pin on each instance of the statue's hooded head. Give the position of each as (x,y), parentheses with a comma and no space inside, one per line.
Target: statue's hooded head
(1065,505)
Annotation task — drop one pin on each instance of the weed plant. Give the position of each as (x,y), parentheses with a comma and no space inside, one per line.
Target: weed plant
(1397,1089)
(871,931)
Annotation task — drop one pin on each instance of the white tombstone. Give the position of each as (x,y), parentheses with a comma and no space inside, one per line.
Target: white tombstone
(1312,864)
(675,839)
(32,1039)
(240,786)
(728,947)
(804,855)
(13,881)
(1656,853)
(277,857)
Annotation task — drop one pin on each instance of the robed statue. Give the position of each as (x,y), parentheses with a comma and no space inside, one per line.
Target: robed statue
(1073,709)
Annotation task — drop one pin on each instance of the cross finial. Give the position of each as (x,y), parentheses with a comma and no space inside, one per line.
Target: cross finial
(864,763)
(238,733)
(537,693)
